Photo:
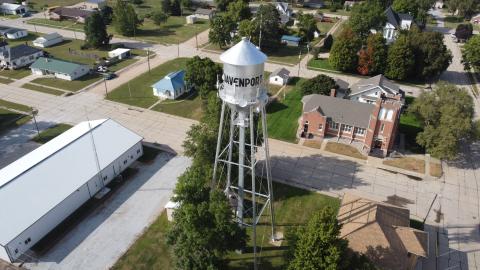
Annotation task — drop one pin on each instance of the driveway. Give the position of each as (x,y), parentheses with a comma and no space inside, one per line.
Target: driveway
(104,235)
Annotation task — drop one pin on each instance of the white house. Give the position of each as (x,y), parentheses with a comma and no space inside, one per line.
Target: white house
(171,86)
(285,11)
(13,33)
(191,19)
(18,56)
(395,23)
(279,77)
(12,9)
(41,189)
(120,53)
(371,89)
(58,68)
(203,13)
(94,4)
(48,40)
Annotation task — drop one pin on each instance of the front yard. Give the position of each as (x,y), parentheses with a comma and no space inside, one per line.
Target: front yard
(11,119)
(151,252)
(344,149)
(410,126)
(407,163)
(72,86)
(65,24)
(51,133)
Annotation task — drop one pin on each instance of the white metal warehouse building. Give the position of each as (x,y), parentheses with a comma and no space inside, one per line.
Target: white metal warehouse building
(41,189)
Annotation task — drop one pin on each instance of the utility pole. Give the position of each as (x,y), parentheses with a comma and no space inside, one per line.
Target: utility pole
(35,27)
(105,83)
(178,49)
(196,38)
(148,59)
(34,112)
(299,62)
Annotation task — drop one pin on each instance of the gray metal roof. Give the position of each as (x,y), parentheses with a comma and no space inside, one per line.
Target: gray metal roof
(52,36)
(244,53)
(204,11)
(395,18)
(377,81)
(282,72)
(339,110)
(33,185)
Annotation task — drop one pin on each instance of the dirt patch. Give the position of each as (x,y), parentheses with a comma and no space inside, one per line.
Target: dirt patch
(407,163)
(343,149)
(436,169)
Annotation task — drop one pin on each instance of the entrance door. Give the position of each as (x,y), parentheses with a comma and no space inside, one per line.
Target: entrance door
(378,144)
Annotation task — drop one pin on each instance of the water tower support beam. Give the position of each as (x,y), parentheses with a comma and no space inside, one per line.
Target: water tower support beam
(241,164)
(230,150)
(254,206)
(268,168)
(217,151)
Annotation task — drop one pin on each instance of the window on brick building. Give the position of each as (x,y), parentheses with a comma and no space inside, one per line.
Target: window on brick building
(332,125)
(360,131)
(320,126)
(383,113)
(390,115)
(382,127)
(347,128)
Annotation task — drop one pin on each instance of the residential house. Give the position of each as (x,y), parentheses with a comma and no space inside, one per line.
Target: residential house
(371,89)
(382,233)
(94,4)
(373,126)
(284,11)
(191,19)
(291,40)
(17,56)
(349,4)
(74,14)
(171,86)
(475,19)
(48,40)
(13,33)
(120,53)
(279,77)
(203,13)
(395,22)
(58,68)
(13,9)
(313,3)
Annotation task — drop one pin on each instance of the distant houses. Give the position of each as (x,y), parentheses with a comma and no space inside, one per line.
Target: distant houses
(279,77)
(284,11)
(18,56)
(293,41)
(73,14)
(13,9)
(120,53)
(203,13)
(59,69)
(48,40)
(13,33)
(95,4)
(371,89)
(395,22)
(313,3)
(171,86)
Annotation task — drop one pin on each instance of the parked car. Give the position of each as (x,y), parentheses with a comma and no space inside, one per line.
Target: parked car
(110,76)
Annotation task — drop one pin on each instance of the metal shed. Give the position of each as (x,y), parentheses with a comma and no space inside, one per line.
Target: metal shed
(41,189)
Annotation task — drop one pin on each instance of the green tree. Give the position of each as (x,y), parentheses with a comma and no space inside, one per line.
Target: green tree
(96,31)
(462,7)
(125,19)
(373,58)
(464,31)
(343,55)
(267,20)
(320,84)
(175,8)
(186,3)
(318,245)
(366,16)
(158,17)
(471,53)
(137,2)
(400,60)
(307,26)
(222,4)
(166,6)
(406,6)
(107,14)
(246,28)
(446,114)
(432,56)
(238,11)
(202,73)
(221,28)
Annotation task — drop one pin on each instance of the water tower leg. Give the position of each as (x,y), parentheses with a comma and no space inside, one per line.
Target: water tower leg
(217,151)
(269,173)
(254,206)
(230,150)
(241,163)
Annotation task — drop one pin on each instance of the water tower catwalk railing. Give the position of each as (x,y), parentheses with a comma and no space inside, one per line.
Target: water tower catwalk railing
(244,98)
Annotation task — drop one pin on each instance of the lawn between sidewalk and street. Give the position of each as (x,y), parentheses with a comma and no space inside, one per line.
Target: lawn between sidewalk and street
(13,115)
(151,252)
(50,133)
(68,50)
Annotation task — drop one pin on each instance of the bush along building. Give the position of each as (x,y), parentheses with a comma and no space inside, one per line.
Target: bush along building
(374,126)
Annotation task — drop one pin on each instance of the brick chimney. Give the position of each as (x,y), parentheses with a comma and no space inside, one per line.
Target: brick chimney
(333,92)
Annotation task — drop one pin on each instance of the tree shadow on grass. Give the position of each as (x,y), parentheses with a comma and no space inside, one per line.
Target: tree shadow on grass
(276,106)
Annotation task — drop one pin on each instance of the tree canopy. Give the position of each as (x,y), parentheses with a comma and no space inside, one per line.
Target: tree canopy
(202,73)
(238,11)
(125,19)
(222,4)
(343,55)
(266,20)
(471,53)
(446,114)
(307,26)
(96,31)
(365,16)
(221,28)
(373,59)
(400,60)
(462,7)
(464,31)
(107,14)
(320,84)
(158,17)
(432,56)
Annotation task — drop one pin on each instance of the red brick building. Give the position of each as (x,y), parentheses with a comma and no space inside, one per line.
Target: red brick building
(374,125)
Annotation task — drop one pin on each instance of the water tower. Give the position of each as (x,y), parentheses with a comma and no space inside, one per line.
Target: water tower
(244,97)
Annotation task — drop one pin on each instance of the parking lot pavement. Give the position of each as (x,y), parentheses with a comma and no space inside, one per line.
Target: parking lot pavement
(99,240)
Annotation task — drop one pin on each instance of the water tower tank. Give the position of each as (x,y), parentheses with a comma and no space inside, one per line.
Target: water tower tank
(243,66)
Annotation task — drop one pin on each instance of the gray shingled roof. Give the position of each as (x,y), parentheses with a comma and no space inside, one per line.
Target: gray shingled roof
(203,11)
(282,72)
(377,81)
(22,50)
(339,110)
(395,18)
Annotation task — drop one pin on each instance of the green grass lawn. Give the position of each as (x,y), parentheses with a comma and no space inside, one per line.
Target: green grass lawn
(42,89)
(15,106)
(51,133)
(189,107)
(324,27)
(151,252)
(16,73)
(65,24)
(39,4)
(5,80)
(453,21)
(138,91)
(282,116)
(410,126)
(72,86)
(320,63)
